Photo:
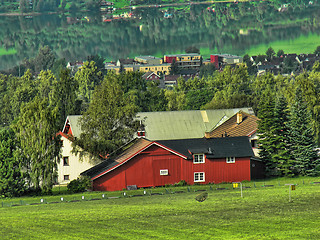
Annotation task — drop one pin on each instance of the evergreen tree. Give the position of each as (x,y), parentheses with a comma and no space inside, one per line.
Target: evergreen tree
(301,138)
(266,136)
(279,131)
(11,177)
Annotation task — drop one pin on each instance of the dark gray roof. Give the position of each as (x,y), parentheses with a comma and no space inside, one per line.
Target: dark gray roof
(213,147)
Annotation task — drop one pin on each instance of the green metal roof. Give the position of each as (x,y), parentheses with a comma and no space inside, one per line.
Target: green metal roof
(184,124)
(170,125)
(74,121)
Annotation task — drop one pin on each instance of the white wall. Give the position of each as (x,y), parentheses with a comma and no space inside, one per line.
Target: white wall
(75,165)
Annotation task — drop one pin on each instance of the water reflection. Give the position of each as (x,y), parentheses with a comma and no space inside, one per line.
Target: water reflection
(220,28)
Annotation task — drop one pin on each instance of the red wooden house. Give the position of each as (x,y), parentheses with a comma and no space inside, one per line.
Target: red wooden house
(157,163)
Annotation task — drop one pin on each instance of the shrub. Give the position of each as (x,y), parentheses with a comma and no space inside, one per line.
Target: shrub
(79,185)
(181,183)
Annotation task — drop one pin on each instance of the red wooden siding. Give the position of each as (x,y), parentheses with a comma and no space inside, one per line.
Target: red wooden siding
(144,171)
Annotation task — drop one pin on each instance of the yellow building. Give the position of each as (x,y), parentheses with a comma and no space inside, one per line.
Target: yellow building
(159,69)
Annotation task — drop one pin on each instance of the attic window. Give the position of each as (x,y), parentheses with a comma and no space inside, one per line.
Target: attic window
(164,172)
(198,158)
(231,159)
(141,133)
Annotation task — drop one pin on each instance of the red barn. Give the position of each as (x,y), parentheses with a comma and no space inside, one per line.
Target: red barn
(151,164)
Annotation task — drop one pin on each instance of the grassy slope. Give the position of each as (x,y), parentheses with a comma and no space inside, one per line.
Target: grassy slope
(303,44)
(7,52)
(263,213)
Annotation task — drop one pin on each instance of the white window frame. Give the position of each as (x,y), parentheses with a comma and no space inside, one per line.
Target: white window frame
(230,159)
(200,177)
(164,172)
(198,156)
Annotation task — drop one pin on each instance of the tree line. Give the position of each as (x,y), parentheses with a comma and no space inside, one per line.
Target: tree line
(34,108)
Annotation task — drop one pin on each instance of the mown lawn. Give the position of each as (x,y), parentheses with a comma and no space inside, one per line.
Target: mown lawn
(263,213)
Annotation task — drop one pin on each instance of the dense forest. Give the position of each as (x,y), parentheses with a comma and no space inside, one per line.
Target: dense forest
(230,29)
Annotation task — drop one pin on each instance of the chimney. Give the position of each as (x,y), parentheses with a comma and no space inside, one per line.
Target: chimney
(239,117)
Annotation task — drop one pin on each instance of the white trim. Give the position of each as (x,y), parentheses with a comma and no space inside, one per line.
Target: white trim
(135,154)
(199,176)
(164,172)
(198,155)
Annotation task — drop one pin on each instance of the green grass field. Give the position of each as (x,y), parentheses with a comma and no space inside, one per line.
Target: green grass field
(263,213)
(7,52)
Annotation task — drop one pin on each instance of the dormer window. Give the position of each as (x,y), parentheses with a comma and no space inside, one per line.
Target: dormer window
(198,158)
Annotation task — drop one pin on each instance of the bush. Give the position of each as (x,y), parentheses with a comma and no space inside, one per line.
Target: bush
(181,183)
(79,185)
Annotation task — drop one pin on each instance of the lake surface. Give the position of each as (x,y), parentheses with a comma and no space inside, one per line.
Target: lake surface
(220,28)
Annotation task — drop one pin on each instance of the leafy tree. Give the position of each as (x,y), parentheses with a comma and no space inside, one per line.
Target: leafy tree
(231,89)
(316,67)
(207,70)
(63,96)
(174,68)
(270,53)
(317,51)
(260,58)
(153,99)
(44,60)
(252,69)
(192,49)
(289,65)
(280,53)
(98,60)
(109,121)
(88,77)
(11,176)
(36,130)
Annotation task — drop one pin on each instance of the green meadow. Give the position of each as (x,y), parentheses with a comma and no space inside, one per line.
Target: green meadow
(7,52)
(264,212)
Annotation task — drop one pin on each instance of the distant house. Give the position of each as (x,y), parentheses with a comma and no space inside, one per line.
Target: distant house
(151,76)
(125,61)
(157,163)
(240,124)
(74,66)
(148,60)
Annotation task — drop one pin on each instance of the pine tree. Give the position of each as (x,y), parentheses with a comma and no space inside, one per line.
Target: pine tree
(301,138)
(266,139)
(279,131)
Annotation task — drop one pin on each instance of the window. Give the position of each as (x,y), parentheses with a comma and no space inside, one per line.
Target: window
(254,143)
(65,161)
(231,159)
(66,177)
(164,172)
(198,158)
(199,177)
